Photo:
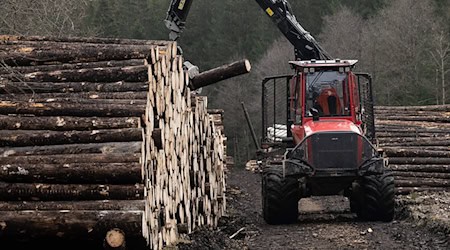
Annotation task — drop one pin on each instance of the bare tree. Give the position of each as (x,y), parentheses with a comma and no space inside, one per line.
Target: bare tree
(441,53)
(43,17)
(342,34)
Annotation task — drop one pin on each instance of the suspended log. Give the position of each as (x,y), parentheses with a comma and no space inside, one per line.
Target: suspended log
(64,123)
(68,192)
(403,152)
(84,173)
(419,175)
(66,66)
(414,182)
(421,168)
(89,148)
(71,109)
(111,74)
(65,87)
(20,138)
(122,205)
(68,224)
(418,160)
(220,73)
(71,158)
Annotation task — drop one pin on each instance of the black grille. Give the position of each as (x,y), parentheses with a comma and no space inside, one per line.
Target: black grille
(334,150)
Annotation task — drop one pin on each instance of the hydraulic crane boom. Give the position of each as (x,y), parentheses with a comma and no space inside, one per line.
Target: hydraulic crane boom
(306,47)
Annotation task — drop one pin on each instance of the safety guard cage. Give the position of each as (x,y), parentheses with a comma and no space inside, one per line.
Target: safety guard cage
(275,109)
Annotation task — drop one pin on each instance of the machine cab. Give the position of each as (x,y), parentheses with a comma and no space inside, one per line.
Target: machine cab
(323,91)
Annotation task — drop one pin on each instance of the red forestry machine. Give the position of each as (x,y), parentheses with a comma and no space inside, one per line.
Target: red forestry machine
(318,128)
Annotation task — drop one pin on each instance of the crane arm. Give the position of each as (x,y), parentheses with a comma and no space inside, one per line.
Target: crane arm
(176,17)
(279,11)
(306,47)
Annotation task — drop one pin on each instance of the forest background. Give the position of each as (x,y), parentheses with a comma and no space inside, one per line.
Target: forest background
(403,44)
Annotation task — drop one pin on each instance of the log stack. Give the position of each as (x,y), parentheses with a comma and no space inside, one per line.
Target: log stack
(100,137)
(416,140)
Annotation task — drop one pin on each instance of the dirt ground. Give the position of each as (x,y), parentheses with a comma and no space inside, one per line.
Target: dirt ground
(324,223)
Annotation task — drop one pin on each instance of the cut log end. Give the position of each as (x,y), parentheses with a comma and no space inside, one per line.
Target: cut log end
(115,239)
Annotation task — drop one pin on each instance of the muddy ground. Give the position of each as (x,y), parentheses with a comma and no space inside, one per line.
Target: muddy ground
(422,222)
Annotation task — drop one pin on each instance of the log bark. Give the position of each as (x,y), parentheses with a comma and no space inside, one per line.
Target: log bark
(20,138)
(34,97)
(68,192)
(64,123)
(419,175)
(418,160)
(68,224)
(409,190)
(122,205)
(69,87)
(111,74)
(427,182)
(444,119)
(42,53)
(445,108)
(403,152)
(66,66)
(106,173)
(421,168)
(71,158)
(100,40)
(89,148)
(220,73)
(71,109)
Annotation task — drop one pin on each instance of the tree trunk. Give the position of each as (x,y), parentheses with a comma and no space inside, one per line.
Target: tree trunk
(47,53)
(418,160)
(89,148)
(445,108)
(106,173)
(71,109)
(421,168)
(220,73)
(408,190)
(69,87)
(20,138)
(127,74)
(420,175)
(68,224)
(403,152)
(123,205)
(427,182)
(54,67)
(71,158)
(68,192)
(141,95)
(83,40)
(64,123)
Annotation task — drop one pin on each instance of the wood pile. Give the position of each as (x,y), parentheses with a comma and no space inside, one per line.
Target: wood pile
(416,140)
(101,137)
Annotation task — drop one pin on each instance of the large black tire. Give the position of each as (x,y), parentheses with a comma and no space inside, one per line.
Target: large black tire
(280,196)
(378,198)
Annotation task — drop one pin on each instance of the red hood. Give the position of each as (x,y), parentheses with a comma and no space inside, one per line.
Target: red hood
(338,125)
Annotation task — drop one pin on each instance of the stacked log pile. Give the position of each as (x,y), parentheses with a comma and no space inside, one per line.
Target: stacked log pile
(416,140)
(102,134)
